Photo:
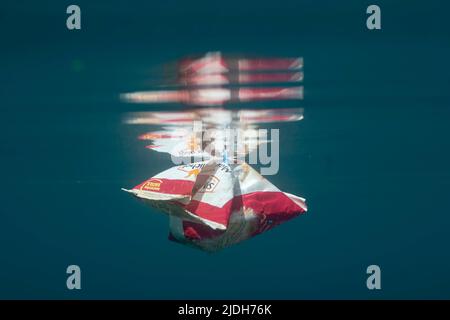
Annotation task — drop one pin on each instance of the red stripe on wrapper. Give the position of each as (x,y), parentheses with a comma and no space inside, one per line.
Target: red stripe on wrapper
(169,186)
(272,208)
(196,231)
(276,206)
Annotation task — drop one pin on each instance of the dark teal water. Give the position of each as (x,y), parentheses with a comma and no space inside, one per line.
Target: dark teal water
(371,156)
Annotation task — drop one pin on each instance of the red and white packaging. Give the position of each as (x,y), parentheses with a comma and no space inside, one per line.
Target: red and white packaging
(213,204)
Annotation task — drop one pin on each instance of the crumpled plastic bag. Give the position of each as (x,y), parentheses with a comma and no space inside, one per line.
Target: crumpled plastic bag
(213,204)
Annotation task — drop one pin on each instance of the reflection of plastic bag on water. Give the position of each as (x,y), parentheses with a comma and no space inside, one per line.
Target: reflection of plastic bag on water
(213,204)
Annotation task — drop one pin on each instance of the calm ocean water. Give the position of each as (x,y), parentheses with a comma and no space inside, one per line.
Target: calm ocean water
(371,156)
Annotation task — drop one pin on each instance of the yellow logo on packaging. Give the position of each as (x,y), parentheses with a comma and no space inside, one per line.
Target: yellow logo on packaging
(192,169)
(194,172)
(152,185)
